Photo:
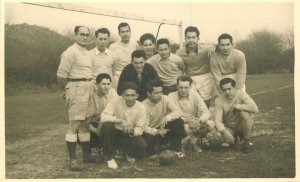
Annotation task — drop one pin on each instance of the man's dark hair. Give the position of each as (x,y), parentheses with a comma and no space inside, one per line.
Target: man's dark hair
(153,83)
(227,80)
(138,54)
(123,24)
(184,78)
(225,36)
(191,29)
(129,85)
(147,36)
(103,31)
(162,41)
(102,76)
(76,29)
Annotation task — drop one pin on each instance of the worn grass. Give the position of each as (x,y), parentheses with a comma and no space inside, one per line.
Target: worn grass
(35,128)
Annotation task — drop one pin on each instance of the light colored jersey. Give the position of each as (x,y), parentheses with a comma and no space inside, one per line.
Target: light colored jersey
(156,112)
(235,64)
(123,51)
(103,101)
(191,107)
(103,62)
(168,70)
(197,64)
(75,63)
(117,109)
(225,113)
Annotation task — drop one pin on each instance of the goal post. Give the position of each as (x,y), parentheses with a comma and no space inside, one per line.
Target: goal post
(111,13)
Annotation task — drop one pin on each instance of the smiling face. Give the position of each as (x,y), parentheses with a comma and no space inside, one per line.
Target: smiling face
(148,47)
(225,46)
(138,64)
(82,37)
(164,51)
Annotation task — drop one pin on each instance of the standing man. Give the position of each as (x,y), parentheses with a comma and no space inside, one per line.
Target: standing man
(196,59)
(163,120)
(228,62)
(234,113)
(168,66)
(148,42)
(195,113)
(138,72)
(104,60)
(104,94)
(74,77)
(123,49)
(123,122)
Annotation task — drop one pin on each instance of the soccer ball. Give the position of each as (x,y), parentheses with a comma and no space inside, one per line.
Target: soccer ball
(167,157)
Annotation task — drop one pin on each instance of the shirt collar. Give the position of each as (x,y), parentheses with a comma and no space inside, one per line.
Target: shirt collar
(169,58)
(98,52)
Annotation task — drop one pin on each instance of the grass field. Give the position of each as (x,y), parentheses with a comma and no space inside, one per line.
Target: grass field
(35,127)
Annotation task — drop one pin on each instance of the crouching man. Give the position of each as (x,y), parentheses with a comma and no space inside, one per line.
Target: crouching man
(123,121)
(234,114)
(165,124)
(195,113)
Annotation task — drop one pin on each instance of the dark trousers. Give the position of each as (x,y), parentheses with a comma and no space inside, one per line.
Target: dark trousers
(113,139)
(95,139)
(174,137)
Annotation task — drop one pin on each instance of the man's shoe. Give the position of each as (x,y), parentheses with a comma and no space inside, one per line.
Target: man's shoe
(130,159)
(112,164)
(74,165)
(196,148)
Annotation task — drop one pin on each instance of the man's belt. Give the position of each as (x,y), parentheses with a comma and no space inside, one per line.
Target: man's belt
(79,79)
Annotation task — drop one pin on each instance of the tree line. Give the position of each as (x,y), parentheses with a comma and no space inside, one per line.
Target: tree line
(32,53)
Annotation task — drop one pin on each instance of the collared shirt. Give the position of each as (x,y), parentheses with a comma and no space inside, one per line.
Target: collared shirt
(103,101)
(168,69)
(117,109)
(129,74)
(123,51)
(103,62)
(191,107)
(75,63)
(197,64)
(156,112)
(225,113)
(235,63)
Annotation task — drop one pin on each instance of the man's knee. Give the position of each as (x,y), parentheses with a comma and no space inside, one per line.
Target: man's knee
(107,128)
(138,143)
(247,116)
(210,124)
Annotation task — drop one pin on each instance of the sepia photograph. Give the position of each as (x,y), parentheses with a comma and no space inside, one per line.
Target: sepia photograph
(149,90)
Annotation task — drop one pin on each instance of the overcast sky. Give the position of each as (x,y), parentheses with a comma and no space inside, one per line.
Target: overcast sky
(212,19)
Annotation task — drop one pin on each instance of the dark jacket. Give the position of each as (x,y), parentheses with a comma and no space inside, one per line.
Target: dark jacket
(129,74)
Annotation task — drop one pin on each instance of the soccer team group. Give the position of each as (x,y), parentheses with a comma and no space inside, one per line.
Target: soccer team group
(136,100)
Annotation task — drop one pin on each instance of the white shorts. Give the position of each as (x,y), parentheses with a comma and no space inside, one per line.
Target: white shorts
(204,85)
